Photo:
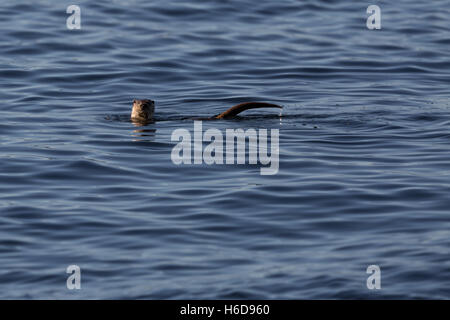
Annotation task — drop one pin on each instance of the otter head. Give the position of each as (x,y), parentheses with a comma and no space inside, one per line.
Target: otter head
(142,111)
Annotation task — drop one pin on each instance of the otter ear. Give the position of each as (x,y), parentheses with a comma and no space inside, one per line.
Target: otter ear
(134,100)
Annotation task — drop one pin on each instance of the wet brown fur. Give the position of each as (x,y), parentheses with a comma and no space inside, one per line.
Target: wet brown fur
(143,110)
(234,111)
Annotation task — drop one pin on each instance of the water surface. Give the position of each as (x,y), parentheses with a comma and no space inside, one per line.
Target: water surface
(364,150)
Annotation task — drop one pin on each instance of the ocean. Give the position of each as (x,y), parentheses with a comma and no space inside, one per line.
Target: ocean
(363,173)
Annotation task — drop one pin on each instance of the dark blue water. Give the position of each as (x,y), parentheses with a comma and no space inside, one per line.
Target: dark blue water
(364,173)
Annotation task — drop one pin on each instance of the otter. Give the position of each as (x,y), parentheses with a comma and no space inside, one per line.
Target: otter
(143,110)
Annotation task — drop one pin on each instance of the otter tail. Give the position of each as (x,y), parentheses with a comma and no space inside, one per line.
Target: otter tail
(233,111)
